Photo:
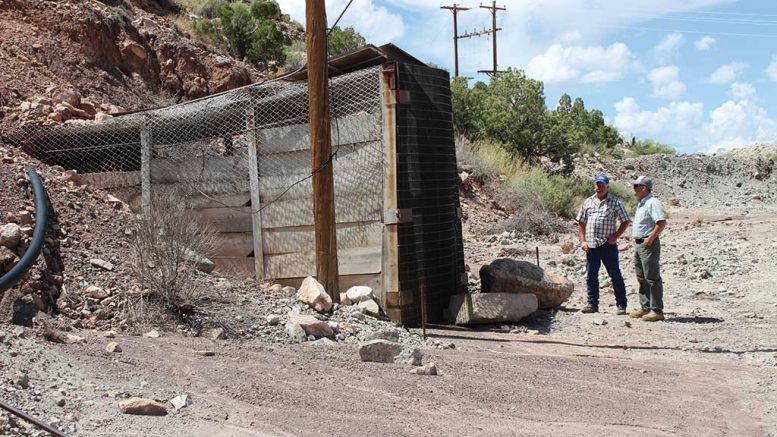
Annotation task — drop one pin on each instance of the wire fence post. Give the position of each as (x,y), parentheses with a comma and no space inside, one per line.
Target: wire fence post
(253,179)
(145,170)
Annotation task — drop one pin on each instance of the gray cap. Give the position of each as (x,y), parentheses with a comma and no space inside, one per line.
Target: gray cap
(643,180)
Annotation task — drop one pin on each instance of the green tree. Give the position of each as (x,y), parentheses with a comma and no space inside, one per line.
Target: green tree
(345,40)
(513,113)
(246,29)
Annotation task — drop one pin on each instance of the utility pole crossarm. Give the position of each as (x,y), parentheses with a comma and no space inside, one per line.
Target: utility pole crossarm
(455,9)
(493,8)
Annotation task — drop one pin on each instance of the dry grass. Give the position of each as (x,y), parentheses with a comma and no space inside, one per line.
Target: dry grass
(536,198)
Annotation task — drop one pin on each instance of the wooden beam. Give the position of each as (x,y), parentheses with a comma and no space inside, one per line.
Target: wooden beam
(253,179)
(390,269)
(321,148)
(145,170)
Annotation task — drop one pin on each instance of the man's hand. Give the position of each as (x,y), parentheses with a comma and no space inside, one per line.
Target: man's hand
(612,239)
(649,241)
(584,246)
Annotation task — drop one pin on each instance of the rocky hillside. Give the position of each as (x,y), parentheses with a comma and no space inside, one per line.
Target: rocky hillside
(114,54)
(740,178)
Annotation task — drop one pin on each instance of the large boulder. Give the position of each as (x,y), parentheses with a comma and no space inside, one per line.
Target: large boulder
(313,293)
(512,276)
(465,309)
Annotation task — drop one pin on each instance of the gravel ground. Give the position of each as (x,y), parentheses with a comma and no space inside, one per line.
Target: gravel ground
(708,370)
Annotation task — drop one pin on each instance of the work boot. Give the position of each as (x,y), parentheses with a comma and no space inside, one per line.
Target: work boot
(590,309)
(638,314)
(621,311)
(653,317)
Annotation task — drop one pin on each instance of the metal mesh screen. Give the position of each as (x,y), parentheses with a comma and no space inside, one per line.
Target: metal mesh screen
(201,152)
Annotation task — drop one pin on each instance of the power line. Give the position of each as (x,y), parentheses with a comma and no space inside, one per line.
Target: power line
(690,12)
(339,17)
(699,32)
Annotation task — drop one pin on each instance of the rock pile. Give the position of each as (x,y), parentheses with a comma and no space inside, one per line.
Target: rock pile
(64,107)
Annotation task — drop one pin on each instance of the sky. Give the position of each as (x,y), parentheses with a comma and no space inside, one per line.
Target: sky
(698,75)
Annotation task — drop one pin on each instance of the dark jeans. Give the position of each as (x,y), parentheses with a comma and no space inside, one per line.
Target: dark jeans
(647,266)
(606,254)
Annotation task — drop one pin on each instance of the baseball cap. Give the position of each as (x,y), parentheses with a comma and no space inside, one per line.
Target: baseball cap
(602,178)
(643,180)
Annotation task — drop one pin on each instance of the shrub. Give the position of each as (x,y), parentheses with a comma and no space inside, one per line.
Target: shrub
(166,246)
(247,30)
(650,147)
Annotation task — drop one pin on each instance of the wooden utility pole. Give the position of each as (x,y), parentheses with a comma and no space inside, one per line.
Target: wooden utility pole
(455,9)
(321,148)
(493,8)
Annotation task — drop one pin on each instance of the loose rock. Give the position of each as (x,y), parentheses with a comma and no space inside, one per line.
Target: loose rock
(428,369)
(97,262)
(312,326)
(181,401)
(379,351)
(359,293)
(140,406)
(314,295)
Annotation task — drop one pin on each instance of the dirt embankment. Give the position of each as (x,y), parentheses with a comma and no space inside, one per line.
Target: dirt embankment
(111,53)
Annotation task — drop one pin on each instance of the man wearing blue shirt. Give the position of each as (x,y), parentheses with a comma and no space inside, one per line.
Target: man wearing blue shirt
(649,221)
(596,227)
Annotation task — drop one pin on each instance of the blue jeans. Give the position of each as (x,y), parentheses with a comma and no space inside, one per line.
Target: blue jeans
(606,254)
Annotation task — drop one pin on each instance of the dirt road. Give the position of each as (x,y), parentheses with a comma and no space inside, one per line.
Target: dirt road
(708,370)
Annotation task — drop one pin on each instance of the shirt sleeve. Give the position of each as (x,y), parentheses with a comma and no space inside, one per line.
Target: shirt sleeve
(623,216)
(582,215)
(657,211)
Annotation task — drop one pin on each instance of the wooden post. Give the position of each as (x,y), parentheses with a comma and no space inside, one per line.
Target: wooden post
(145,170)
(321,148)
(256,199)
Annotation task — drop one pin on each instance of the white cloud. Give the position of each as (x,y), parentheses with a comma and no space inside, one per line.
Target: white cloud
(772,70)
(704,43)
(727,73)
(737,122)
(529,27)
(668,47)
(672,121)
(742,91)
(666,82)
(374,22)
(571,37)
(587,64)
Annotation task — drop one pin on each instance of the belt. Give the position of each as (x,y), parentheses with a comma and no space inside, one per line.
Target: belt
(639,240)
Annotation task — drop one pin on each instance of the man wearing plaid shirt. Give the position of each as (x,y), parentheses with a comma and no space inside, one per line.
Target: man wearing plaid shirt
(599,239)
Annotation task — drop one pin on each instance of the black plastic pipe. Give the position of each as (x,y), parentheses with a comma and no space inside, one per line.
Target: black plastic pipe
(42,425)
(38,236)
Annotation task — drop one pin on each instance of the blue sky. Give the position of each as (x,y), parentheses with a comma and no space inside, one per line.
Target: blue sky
(699,75)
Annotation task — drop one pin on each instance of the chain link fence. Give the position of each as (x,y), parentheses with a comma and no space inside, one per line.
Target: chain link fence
(241,161)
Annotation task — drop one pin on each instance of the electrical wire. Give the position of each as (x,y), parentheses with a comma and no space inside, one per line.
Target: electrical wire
(339,17)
